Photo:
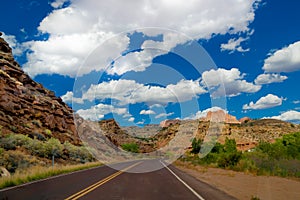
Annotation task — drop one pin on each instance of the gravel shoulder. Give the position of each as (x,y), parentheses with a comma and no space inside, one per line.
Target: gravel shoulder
(244,186)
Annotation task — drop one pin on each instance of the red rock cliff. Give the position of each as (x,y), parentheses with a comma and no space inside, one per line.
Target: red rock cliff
(27,107)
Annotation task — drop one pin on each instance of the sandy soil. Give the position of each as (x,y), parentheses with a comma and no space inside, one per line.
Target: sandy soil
(244,186)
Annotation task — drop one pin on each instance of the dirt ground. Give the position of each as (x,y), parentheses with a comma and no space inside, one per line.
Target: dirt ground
(244,186)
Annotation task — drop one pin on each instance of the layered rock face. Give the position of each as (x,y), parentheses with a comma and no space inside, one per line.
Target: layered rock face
(27,107)
(220,116)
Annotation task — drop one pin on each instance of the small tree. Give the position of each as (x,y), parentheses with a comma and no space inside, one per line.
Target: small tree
(231,156)
(196,145)
(230,145)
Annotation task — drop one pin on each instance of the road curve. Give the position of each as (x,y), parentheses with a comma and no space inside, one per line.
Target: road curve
(107,183)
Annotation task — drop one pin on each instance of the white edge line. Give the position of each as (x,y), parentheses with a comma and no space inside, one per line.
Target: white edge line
(49,178)
(184,183)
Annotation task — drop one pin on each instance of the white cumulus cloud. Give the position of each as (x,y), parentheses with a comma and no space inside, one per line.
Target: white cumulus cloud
(129,91)
(65,54)
(291,115)
(269,78)
(58,3)
(296,102)
(98,111)
(268,101)
(230,80)
(74,31)
(147,112)
(284,60)
(234,45)
(69,98)
(131,119)
(164,115)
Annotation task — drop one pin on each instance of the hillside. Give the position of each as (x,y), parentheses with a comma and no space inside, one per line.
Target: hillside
(33,121)
(27,107)
(247,133)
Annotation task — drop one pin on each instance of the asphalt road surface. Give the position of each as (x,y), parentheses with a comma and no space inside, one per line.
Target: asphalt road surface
(110,184)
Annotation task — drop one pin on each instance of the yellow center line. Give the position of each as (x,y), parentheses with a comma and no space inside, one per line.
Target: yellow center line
(99,183)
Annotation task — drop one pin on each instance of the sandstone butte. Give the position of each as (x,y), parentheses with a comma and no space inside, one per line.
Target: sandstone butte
(213,116)
(220,116)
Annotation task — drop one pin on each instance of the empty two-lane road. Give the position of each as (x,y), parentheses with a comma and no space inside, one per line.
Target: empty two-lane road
(107,183)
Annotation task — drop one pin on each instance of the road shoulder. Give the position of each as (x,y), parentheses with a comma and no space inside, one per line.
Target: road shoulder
(244,186)
(205,189)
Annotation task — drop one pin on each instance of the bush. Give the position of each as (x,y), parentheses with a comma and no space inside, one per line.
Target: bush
(11,141)
(48,132)
(13,160)
(226,160)
(196,145)
(281,158)
(45,148)
(53,147)
(76,153)
(1,151)
(131,147)
(246,165)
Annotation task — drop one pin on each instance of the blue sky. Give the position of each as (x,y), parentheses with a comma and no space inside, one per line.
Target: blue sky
(242,56)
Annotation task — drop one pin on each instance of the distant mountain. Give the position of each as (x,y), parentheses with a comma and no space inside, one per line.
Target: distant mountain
(220,116)
(247,132)
(26,107)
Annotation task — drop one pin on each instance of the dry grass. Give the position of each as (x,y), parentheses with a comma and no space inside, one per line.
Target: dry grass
(39,172)
(189,165)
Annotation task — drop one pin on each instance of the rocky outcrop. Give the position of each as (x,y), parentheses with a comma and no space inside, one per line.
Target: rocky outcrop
(27,107)
(4,172)
(244,119)
(169,122)
(220,116)
(248,135)
(119,136)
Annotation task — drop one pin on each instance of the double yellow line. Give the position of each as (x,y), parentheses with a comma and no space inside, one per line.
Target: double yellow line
(98,184)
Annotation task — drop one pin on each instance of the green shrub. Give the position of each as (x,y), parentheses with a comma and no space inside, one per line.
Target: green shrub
(246,165)
(131,147)
(36,135)
(13,128)
(76,153)
(1,151)
(230,145)
(36,147)
(218,148)
(11,141)
(230,159)
(48,132)
(13,160)
(196,145)
(281,158)
(53,147)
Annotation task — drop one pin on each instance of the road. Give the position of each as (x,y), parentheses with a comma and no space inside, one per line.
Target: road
(110,184)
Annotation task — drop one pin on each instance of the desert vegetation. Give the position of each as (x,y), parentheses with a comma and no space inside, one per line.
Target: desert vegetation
(40,172)
(281,158)
(131,147)
(28,158)
(18,151)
